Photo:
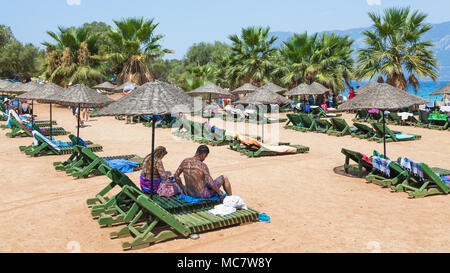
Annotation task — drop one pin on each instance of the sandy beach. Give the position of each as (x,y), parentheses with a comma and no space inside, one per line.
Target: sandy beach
(313,206)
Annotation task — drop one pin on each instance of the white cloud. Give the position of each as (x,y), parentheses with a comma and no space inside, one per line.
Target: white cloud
(77,2)
(370,2)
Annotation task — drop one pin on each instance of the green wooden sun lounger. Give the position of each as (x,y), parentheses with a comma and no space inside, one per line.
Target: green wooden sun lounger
(361,116)
(391,136)
(322,125)
(358,158)
(363,131)
(44,148)
(431,185)
(258,151)
(394,118)
(339,127)
(173,225)
(319,111)
(438,121)
(120,209)
(396,177)
(308,123)
(84,163)
(423,119)
(294,122)
(20,130)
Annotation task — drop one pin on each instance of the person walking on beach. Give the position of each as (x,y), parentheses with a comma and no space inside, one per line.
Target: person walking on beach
(197,179)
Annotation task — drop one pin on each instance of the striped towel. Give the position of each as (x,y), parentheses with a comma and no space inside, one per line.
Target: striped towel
(382,165)
(413,167)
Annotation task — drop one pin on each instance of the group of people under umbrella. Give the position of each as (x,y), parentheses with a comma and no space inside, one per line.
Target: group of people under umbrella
(160,98)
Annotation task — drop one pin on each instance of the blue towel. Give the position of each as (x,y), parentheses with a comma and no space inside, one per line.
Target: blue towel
(193,200)
(446,180)
(61,144)
(80,141)
(122,165)
(404,136)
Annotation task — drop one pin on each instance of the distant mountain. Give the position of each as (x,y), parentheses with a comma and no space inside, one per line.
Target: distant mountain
(439,35)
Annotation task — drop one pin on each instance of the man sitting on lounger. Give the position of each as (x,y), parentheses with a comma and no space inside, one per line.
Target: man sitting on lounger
(198,181)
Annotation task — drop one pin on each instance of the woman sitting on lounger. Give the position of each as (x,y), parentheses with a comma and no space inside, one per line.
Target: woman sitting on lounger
(159,174)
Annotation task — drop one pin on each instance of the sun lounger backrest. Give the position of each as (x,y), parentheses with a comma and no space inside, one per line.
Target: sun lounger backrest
(339,124)
(39,138)
(156,210)
(424,116)
(429,174)
(306,120)
(121,179)
(364,128)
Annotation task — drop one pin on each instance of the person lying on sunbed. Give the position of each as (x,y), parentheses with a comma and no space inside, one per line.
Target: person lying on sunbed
(159,174)
(198,181)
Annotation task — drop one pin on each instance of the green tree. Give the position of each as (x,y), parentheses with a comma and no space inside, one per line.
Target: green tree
(252,56)
(73,57)
(395,49)
(312,58)
(18,60)
(203,53)
(134,45)
(6,35)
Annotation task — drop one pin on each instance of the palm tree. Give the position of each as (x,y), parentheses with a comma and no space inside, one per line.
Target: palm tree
(395,49)
(251,56)
(312,58)
(134,44)
(72,59)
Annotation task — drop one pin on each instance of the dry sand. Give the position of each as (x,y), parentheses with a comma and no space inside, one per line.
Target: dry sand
(312,208)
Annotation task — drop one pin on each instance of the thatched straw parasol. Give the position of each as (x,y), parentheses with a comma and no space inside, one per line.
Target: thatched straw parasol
(318,89)
(46,90)
(12,87)
(105,86)
(366,87)
(302,89)
(273,88)
(121,87)
(442,90)
(153,98)
(211,90)
(80,96)
(244,89)
(263,97)
(4,84)
(382,96)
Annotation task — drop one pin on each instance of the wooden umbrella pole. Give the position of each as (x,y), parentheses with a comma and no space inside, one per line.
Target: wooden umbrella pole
(32,111)
(153,154)
(209,116)
(384,136)
(78,125)
(51,126)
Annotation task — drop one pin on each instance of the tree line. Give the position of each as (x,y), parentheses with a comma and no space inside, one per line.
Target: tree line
(131,50)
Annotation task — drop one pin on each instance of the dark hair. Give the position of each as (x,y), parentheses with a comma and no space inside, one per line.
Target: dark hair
(202,149)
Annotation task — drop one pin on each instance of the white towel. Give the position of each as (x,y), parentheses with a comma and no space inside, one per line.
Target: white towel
(234,202)
(222,210)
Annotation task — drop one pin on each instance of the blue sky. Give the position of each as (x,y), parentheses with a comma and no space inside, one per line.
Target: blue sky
(185,22)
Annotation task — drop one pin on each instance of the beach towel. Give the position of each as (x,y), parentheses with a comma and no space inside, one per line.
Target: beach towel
(234,202)
(366,158)
(446,179)
(80,142)
(403,136)
(372,111)
(122,165)
(413,167)
(169,188)
(193,200)
(47,140)
(222,210)
(381,165)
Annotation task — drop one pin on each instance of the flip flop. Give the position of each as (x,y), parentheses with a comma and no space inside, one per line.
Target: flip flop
(264,218)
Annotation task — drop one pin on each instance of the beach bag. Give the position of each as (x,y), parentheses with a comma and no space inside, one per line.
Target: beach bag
(168,188)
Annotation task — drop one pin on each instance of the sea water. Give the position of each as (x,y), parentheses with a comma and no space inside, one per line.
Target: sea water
(426,87)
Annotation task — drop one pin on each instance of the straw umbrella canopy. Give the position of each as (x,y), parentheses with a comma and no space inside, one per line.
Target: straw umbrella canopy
(80,96)
(12,88)
(302,89)
(273,88)
(43,91)
(263,97)
(211,90)
(366,87)
(153,98)
(4,84)
(244,89)
(105,86)
(318,89)
(442,90)
(384,97)
(121,87)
